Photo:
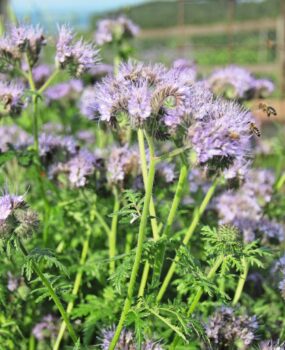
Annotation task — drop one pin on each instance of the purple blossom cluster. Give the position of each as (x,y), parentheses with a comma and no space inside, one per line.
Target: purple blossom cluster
(14,136)
(22,39)
(69,90)
(114,30)
(236,82)
(271,345)
(244,208)
(46,328)
(225,327)
(12,99)
(126,341)
(122,163)
(76,56)
(16,217)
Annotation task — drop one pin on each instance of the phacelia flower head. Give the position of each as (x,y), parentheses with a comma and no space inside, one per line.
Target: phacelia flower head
(222,136)
(46,328)
(41,74)
(16,217)
(126,341)
(225,327)
(14,136)
(109,30)
(75,56)
(68,90)
(122,163)
(271,345)
(11,98)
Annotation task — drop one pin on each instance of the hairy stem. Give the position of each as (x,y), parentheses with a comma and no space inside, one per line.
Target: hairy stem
(196,218)
(141,236)
(113,233)
(76,286)
(241,281)
(52,293)
(48,82)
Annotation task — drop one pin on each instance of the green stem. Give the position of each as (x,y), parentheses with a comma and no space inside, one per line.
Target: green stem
(152,213)
(171,216)
(141,237)
(200,291)
(76,286)
(113,233)
(51,292)
(103,223)
(196,218)
(48,82)
(280,182)
(241,281)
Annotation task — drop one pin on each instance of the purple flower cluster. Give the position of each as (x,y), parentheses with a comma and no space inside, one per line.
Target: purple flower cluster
(271,345)
(244,208)
(76,56)
(122,163)
(46,328)
(13,135)
(166,172)
(16,217)
(69,90)
(13,282)
(225,327)
(41,74)
(22,39)
(109,30)
(126,341)
(236,82)
(11,98)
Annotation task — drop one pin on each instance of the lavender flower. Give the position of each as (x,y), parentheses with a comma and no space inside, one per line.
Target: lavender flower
(271,345)
(166,171)
(109,30)
(78,57)
(126,341)
(11,98)
(282,288)
(100,70)
(69,90)
(14,136)
(13,282)
(16,217)
(122,163)
(41,74)
(81,167)
(29,39)
(46,328)
(224,327)
(263,88)
(222,136)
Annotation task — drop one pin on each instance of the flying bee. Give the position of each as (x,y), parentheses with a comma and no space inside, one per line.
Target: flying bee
(269,110)
(234,135)
(254,129)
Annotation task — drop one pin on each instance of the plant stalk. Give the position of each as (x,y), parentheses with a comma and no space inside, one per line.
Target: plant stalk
(113,233)
(241,281)
(141,236)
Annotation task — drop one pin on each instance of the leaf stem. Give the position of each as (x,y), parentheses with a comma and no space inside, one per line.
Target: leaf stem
(48,82)
(52,293)
(241,281)
(199,211)
(141,236)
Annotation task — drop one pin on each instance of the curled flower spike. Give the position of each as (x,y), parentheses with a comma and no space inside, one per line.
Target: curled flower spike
(11,98)
(77,57)
(109,30)
(16,217)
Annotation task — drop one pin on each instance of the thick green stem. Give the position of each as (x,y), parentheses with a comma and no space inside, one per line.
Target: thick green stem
(171,216)
(76,285)
(141,237)
(241,281)
(153,220)
(113,233)
(51,292)
(200,291)
(196,218)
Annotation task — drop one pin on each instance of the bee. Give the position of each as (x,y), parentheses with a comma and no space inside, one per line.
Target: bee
(7,100)
(254,129)
(234,135)
(267,109)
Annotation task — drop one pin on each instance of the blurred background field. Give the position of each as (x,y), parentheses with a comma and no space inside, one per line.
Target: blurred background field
(213,33)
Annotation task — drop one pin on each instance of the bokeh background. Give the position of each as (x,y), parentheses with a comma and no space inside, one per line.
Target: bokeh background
(213,33)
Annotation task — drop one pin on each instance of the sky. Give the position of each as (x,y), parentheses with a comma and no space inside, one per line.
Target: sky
(75,12)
